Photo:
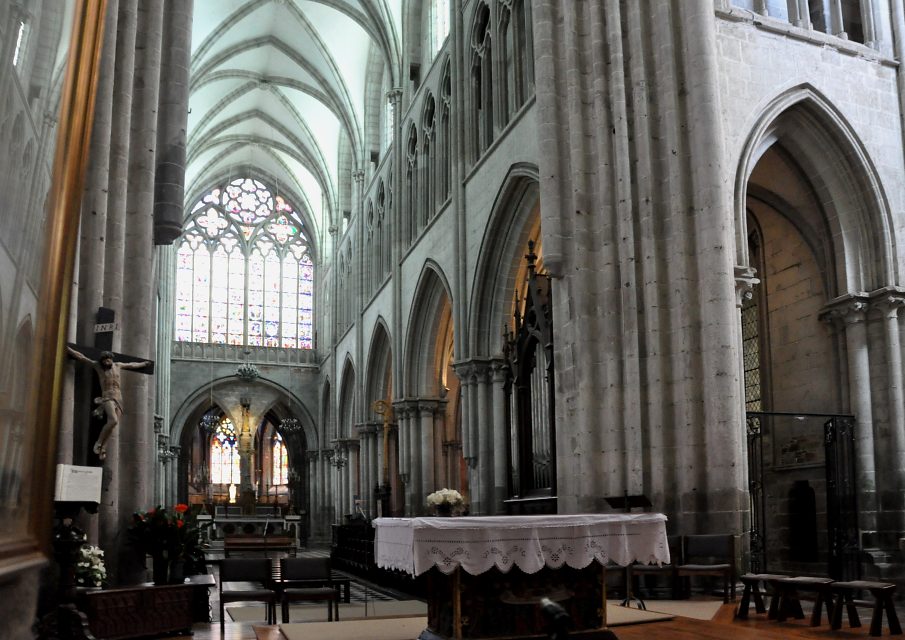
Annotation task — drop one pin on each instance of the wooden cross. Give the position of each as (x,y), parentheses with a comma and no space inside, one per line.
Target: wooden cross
(103,341)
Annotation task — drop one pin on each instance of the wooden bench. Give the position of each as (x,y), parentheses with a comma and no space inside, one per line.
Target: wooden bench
(882,593)
(787,601)
(259,543)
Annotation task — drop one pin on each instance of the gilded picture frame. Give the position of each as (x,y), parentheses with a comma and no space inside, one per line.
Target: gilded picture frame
(49,60)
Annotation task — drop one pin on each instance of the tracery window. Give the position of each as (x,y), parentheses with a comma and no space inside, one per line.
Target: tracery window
(443,153)
(428,133)
(411,183)
(279,461)
(225,454)
(439,23)
(516,53)
(244,273)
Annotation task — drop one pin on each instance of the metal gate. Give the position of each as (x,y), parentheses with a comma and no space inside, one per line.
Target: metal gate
(797,449)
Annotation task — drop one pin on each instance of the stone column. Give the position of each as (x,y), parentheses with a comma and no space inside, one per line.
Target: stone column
(470,435)
(416,469)
(311,503)
(501,441)
(329,497)
(160,468)
(173,116)
(366,438)
(109,524)
(893,489)
(173,476)
(403,417)
(138,297)
(851,312)
(485,427)
(426,412)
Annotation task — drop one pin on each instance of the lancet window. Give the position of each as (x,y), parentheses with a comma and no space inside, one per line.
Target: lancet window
(279,461)
(225,454)
(244,272)
(481,83)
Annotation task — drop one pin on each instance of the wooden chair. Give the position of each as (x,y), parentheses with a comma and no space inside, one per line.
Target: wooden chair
(247,580)
(308,580)
(709,555)
(640,570)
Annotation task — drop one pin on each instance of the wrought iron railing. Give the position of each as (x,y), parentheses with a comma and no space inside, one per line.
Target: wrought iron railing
(802,441)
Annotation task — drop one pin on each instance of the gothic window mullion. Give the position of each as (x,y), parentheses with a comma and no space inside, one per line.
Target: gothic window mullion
(249,251)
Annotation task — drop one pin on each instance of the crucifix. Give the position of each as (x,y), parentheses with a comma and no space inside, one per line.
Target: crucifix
(107,365)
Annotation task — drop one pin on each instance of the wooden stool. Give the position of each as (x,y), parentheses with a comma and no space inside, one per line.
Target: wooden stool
(882,593)
(752,589)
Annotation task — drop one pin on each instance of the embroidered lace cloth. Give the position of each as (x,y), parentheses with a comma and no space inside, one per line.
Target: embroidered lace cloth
(414,545)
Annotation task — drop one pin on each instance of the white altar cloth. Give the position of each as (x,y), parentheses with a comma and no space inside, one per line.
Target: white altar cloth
(477,544)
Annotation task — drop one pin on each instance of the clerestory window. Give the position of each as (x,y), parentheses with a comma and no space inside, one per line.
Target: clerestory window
(439,24)
(244,273)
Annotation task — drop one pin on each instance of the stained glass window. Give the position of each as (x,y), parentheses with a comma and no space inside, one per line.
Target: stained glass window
(244,274)
(225,454)
(280,465)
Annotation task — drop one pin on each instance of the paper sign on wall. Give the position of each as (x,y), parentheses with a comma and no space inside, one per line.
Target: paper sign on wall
(78,484)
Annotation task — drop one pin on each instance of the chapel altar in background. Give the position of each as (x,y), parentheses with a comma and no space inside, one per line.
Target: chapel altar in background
(486,575)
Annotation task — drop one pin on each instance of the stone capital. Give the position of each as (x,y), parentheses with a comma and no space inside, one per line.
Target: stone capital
(846,310)
(428,406)
(394,95)
(358,176)
(366,428)
(745,282)
(311,456)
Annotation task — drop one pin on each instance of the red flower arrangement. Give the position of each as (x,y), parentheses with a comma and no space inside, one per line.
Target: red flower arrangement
(160,534)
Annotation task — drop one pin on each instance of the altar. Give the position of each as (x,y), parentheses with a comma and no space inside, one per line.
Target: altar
(486,575)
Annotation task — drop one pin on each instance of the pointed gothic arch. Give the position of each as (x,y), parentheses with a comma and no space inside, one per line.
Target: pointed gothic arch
(833,158)
(378,382)
(514,219)
(432,300)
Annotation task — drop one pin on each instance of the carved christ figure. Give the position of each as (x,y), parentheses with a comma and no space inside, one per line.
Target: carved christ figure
(111,401)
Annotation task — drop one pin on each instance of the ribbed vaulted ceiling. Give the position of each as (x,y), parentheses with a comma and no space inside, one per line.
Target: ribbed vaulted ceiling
(277,85)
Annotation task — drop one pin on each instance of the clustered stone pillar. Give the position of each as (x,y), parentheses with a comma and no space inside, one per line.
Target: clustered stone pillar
(116,247)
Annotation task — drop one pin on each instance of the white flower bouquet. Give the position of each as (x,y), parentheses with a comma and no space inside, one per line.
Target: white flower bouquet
(90,570)
(446,502)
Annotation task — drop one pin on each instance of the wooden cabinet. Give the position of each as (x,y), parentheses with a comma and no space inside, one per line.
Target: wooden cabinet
(146,610)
